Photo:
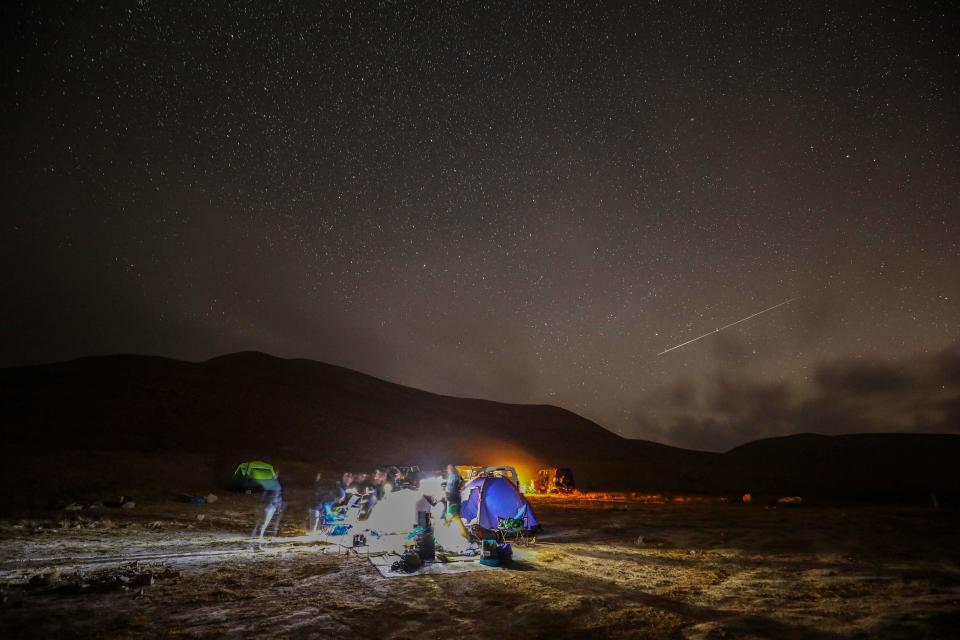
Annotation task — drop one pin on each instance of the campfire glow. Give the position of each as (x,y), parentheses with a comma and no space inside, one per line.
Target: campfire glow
(637,498)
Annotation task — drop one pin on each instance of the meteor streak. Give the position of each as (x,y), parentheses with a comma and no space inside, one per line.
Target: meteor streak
(726,326)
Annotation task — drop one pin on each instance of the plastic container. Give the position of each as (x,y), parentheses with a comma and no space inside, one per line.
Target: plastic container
(490,553)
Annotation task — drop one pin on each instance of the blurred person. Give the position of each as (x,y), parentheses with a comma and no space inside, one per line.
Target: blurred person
(361,482)
(413,476)
(378,488)
(424,507)
(393,479)
(272,505)
(452,494)
(365,487)
(453,535)
(342,490)
(323,493)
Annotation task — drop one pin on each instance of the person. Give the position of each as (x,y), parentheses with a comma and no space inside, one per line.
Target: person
(378,489)
(272,504)
(452,535)
(342,493)
(393,479)
(424,507)
(454,484)
(413,477)
(426,543)
(364,485)
(361,482)
(329,497)
(322,494)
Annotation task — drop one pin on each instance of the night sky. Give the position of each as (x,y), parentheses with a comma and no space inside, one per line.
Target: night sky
(519,202)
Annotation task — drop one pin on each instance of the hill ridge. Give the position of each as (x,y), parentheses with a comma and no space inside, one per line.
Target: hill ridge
(315,415)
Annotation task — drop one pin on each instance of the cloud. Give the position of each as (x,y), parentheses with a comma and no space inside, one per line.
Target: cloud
(851,395)
(862,378)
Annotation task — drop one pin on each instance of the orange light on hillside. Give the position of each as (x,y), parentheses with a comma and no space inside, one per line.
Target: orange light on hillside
(633,498)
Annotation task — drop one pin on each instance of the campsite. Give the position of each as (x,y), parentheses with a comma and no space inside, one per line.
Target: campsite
(445,320)
(151,532)
(632,569)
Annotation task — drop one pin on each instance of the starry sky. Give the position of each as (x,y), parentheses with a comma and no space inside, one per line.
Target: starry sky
(524,202)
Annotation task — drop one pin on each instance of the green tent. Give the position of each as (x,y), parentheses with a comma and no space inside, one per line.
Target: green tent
(255,475)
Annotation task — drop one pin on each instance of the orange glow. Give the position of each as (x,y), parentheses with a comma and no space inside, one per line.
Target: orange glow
(636,498)
(499,454)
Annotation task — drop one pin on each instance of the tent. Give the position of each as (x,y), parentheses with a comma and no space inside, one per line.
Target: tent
(485,500)
(255,475)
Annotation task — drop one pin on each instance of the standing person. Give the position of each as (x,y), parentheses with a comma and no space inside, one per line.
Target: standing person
(424,507)
(453,534)
(272,504)
(454,484)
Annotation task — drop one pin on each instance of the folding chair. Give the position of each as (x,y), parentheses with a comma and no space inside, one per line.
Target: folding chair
(513,530)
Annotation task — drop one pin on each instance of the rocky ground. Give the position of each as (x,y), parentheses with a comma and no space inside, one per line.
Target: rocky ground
(600,568)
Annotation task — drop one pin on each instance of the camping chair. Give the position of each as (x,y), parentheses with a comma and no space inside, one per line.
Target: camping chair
(333,522)
(340,519)
(514,531)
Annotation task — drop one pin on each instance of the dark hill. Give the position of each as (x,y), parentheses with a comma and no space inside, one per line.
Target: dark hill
(251,405)
(122,422)
(863,465)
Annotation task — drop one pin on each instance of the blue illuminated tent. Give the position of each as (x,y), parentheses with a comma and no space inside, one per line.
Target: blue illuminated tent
(485,500)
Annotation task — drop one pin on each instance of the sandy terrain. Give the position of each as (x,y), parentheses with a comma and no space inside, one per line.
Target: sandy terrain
(616,569)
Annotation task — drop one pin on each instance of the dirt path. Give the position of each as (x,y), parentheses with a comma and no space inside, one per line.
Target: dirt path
(174,549)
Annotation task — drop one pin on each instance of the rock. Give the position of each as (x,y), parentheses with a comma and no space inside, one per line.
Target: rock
(73,506)
(212,497)
(45,579)
(143,580)
(130,504)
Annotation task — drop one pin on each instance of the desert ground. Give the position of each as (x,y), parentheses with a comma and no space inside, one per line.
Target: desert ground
(601,568)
